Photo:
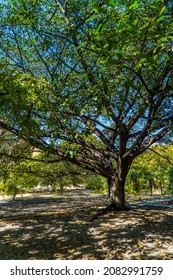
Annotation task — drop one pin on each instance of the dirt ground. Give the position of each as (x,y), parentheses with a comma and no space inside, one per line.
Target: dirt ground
(73,227)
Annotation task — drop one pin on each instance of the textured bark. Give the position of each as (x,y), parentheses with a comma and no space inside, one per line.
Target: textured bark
(116,185)
(117,194)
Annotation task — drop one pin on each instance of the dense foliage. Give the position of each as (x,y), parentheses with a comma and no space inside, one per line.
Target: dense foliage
(88,81)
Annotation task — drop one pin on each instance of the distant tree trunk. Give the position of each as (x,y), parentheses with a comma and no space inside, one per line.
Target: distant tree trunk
(161,188)
(151,186)
(13,196)
(116,186)
(53,186)
(61,189)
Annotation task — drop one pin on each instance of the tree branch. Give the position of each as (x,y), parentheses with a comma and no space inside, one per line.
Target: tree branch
(164,157)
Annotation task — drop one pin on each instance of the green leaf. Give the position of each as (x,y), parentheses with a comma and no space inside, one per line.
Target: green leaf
(134,5)
(161,18)
(91,18)
(162,11)
(112,3)
(98,9)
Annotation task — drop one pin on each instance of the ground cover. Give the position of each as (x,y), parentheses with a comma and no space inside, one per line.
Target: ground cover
(76,227)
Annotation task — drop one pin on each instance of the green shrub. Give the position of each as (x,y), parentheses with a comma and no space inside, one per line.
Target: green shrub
(97,184)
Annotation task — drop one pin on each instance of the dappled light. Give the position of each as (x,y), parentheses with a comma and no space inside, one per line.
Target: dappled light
(68,228)
(86,98)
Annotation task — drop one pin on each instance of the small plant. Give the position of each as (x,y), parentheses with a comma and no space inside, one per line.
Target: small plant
(9,187)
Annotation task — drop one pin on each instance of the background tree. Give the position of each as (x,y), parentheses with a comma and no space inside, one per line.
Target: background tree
(170,185)
(23,168)
(152,168)
(90,81)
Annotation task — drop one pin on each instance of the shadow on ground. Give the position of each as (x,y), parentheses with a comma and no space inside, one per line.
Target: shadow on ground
(68,228)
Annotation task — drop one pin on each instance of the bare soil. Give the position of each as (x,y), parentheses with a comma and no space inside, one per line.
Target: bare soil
(75,227)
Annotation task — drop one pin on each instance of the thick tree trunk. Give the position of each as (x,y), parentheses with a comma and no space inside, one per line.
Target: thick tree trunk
(116,186)
(117,194)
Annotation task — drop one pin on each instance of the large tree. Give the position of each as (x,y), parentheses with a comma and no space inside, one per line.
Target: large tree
(89,81)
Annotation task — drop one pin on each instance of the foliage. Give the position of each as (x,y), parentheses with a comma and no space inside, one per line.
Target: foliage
(22,170)
(152,166)
(96,184)
(88,81)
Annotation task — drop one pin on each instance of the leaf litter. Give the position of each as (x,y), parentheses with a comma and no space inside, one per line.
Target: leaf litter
(77,227)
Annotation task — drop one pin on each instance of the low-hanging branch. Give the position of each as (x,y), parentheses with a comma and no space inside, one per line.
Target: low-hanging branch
(45,174)
(21,157)
(160,155)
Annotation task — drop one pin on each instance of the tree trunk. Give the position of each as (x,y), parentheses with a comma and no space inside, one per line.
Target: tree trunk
(116,185)
(160,186)
(117,194)
(61,189)
(151,186)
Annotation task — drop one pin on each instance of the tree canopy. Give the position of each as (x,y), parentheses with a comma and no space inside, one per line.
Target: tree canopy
(89,81)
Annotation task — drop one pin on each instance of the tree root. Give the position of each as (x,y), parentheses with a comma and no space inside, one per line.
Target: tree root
(109,209)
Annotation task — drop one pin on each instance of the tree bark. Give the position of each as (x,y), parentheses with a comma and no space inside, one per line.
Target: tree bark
(117,194)
(116,185)
(151,186)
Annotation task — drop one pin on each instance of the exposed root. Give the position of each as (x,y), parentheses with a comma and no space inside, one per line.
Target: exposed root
(110,208)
